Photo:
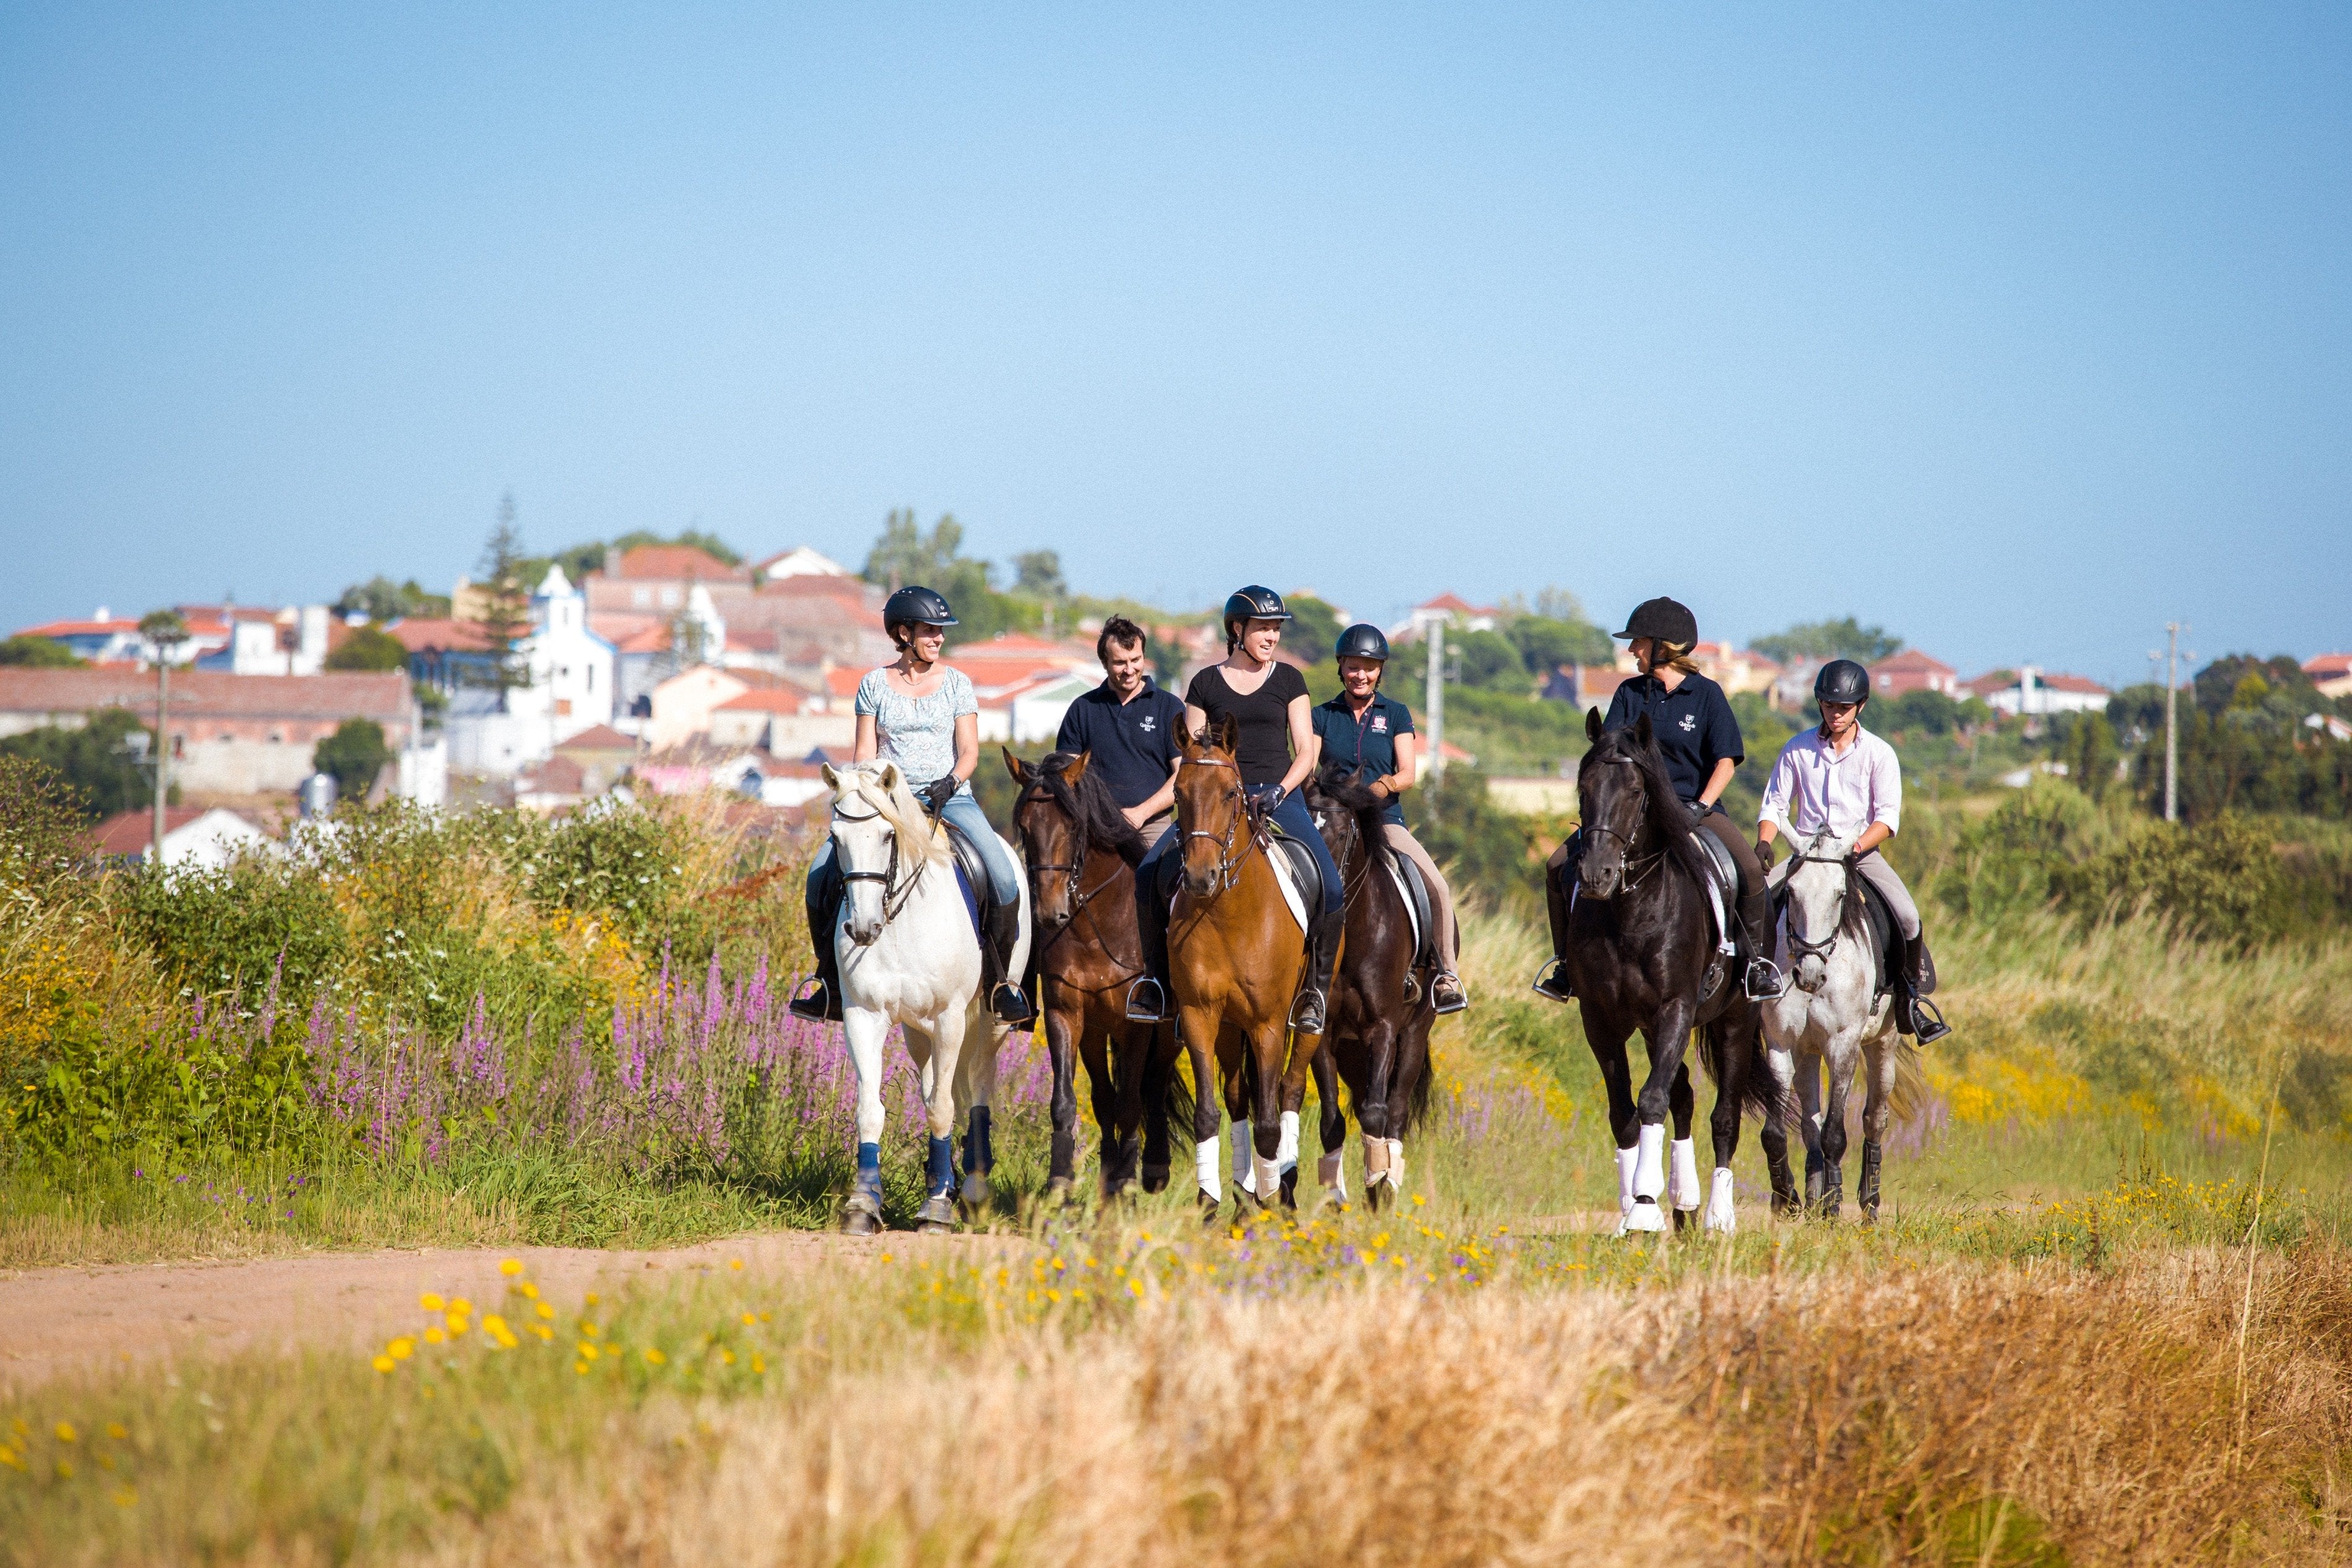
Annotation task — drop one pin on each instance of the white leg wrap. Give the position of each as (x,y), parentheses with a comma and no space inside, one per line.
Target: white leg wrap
(1269,1179)
(1332,1175)
(1720,1214)
(1396,1162)
(1213,1180)
(1625,1158)
(1285,1155)
(1245,1145)
(1685,1164)
(1376,1162)
(1649,1163)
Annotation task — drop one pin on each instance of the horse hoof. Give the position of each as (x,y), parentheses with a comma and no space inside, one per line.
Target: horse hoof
(977,1193)
(1211,1207)
(1062,1189)
(1683,1220)
(937,1215)
(1155,1178)
(861,1222)
(1642,1219)
(1290,1188)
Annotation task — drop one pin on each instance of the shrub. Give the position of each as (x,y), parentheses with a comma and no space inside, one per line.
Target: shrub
(2218,879)
(37,653)
(356,753)
(368,649)
(93,758)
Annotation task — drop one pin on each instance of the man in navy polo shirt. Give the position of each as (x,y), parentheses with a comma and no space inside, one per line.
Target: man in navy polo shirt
(1131,729)
(1368,732)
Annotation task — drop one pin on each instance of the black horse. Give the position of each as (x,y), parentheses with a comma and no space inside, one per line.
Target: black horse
(1378,1038)
(1640,956)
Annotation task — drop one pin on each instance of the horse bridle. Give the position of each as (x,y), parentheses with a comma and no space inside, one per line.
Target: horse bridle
(1798,944)
(889,878)
(1229,868)
(1079,896)
(1633,879)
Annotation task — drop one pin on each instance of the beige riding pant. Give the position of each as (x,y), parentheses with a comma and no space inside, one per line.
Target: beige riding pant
(1439,896)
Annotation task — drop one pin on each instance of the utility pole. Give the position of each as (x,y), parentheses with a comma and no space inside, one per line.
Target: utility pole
(2172,631)
(164,632)
(1436,695)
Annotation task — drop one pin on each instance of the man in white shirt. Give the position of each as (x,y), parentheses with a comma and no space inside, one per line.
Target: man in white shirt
(1843,778)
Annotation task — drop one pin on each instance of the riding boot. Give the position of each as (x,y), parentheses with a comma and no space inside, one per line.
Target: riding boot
(1915,1014)
(1307,1015)
(1006,999)
(822,1005)
(1552,979)
(1150,1000)
(1765,980)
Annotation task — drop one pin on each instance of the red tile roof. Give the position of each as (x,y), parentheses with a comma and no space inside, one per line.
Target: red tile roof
(772,700)
(426,635)
(2082,686)
(1457,604)
(134,832)
(675,562)
(210,694)
(602,737)
(79,628)
(2327,666)
(1912,659)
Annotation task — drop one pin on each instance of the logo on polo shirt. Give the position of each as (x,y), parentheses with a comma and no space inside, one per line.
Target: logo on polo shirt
(1146,722)
(1379,724)
(1689,721)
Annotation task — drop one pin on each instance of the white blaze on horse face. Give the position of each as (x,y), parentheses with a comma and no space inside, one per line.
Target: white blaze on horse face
(862,845)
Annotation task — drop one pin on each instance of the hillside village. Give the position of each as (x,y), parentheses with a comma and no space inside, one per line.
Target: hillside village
(666,669)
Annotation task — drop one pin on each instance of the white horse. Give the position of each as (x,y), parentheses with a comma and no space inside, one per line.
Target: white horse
(1832,1016)
(909,956)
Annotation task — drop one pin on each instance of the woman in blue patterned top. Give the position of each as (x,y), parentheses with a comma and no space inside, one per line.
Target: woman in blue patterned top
(921,712)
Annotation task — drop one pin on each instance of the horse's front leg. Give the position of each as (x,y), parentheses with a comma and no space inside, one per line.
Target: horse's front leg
(1808,1059)
(1838,1063)
(1682,1173)
(1199,1031)
(1331,1126)
(940,1067)
(1668,1036)
(1065,1014)
(1608,1045)
(1779,1064)
(1277,1086)
(1119,1105)
(1375,1115)
(975,1100)
(1158,1056)
(866,1031)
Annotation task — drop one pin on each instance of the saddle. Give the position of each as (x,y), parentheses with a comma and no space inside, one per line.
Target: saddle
(1295,872)
(971,881)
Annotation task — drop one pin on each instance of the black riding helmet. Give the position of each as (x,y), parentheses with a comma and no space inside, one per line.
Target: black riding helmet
(1842,680)
(1362,640)
(914,606)
(1665,620)
(1255,602)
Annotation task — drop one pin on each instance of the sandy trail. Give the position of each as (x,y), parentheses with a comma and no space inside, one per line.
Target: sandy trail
(58,1320)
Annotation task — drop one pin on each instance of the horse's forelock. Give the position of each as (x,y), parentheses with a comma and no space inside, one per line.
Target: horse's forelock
(918,835)
(1668,823)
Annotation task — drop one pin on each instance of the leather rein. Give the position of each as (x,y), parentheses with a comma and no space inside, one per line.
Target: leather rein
(1229,864)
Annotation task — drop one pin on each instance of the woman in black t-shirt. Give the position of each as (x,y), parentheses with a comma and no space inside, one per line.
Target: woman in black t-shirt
(1275,749)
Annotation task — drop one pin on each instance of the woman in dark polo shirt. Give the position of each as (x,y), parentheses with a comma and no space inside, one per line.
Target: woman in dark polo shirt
(1276,751)
(1363,729)
(1699,740)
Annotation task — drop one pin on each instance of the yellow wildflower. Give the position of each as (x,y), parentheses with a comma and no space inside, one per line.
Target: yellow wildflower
(66,1433)
(545,1311)
(511,1266)
(588,1351)
(529,1291)
(384,1363)
(735,1263)
(759,1364)
(653,1355)
(434,1336)
(117,1430)
(430,1301)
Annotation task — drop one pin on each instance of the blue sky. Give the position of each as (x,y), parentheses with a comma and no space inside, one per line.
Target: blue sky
(2021,330)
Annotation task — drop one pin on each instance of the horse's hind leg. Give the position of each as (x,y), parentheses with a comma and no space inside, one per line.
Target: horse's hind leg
(1332,1129)
(1879,1058)
(1065,1014)
(1383,1133)
(1733,1044)
(1781,1110)
(1158,1075)
(1682,1186)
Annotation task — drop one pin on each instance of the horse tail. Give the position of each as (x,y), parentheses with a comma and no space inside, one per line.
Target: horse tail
(1758,1090)
(1179,1099)
(1911,1096)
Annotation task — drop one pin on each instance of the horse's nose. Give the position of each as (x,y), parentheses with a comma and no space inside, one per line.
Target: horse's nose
(1810,974)
(1053,919)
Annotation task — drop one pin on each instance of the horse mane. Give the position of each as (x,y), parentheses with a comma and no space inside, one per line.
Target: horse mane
(1669,824)
(918,837)
(1088,804)
(1343,789)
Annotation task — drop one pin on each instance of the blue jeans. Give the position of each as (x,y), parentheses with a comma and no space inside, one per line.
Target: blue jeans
(1003,876)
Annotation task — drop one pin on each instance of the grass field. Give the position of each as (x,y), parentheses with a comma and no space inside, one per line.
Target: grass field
(2107,1316)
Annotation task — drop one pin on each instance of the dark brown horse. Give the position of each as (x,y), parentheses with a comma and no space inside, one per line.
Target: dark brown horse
(1236,955)
(1082,854)
(1378,1036)
(1640,957)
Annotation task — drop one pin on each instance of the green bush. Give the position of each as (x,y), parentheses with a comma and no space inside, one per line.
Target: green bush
(236,930)
(355,755)
(2219,879)
(92,758)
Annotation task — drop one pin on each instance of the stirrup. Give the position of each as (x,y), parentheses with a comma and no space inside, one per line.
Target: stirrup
(1552,981)
(1926,1021)
(1775,984)
(1017,1011)
(1147,1006)
(1446,994)
(817,1006)
(1308,1014)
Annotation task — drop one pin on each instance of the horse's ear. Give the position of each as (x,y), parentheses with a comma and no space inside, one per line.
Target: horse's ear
(1592,724)
(1074,770)
(832,780)
(1228,733)
(1014,765)
(887,776)
(1643,733)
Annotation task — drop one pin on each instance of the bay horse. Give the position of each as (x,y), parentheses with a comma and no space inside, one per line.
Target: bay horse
(1639,956)
(1236,955)
(1082,852)
(909,956)
(1832,1018)
(1377,1039)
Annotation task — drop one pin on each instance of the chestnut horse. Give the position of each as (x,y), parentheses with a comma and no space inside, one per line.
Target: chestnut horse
(1082,854)
(1378,1034)
(1236,956)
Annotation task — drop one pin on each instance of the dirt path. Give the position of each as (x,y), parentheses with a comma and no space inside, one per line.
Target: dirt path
(55,1321)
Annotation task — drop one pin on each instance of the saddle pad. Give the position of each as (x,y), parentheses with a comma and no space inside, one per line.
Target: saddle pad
(971,878)
(1291,876)
(1407,877)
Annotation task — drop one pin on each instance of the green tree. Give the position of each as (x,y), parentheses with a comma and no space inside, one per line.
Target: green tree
(95,760)
(1038,573)
(1841,639)
(37,653)
(1482,846)
(2090,751)
(1932,711)
(355,755)
(505,606)
(1546,642)
(368,649)
(2245,683)
(1489,659)
(380,600)
(1314,629)
(904,554)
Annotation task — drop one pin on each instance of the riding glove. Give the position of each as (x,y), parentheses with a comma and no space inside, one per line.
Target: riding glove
(1764,853)
(1269,796)
(940,791)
